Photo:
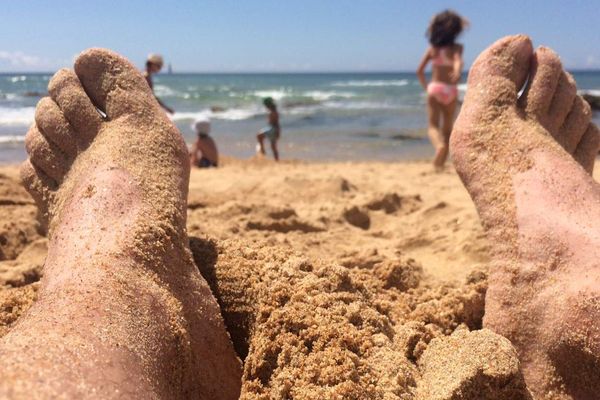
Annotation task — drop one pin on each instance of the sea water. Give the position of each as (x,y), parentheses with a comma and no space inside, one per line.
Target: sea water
(331,116)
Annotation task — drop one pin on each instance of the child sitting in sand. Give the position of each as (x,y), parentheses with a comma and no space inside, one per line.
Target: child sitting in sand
(447,63)
(204,153)
(273,131)
(154,64)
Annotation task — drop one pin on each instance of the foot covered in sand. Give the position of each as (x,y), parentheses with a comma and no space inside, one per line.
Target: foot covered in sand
(122,310)
(526,163)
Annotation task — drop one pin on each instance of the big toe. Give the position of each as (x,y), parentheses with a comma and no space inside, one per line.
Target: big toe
(498,73)
(113,83)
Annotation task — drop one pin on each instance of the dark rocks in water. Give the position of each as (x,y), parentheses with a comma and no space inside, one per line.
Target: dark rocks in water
(367,134)
(34,94)
(592,99)
(404,136)
(390,135)
(217,109)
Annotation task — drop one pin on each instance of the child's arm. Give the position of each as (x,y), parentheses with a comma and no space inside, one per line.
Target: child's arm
(421,69)
(163,105)
(457,65)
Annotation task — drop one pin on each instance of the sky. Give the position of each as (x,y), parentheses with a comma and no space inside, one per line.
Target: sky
(282,35)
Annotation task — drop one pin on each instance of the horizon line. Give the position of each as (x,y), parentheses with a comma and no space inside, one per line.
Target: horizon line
(292,72)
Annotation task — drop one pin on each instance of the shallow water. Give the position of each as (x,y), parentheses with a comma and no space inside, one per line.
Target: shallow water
(333,116)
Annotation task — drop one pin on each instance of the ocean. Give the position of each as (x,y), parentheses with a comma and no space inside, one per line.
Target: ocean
(329,116)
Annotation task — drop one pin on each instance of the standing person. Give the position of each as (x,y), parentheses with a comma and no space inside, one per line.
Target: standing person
(154,64)
(447,62)
(204,153)
(273,131)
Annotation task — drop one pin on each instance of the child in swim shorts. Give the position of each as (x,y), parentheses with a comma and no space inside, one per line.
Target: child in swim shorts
(271,132)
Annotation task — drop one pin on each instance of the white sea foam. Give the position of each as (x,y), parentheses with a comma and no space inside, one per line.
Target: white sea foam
(16,116)
(592,92)
(275,94)
(360,105)
(233,114)
(12,139)
(162,90)
(321,95)
(372,83)
(9,96)
(20,78)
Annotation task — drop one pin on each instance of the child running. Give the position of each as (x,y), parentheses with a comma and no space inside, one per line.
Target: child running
(154,64)
(273,131)
(446,59)
(204,153)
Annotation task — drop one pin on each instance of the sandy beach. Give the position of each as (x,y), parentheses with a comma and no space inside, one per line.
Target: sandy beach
(336,280)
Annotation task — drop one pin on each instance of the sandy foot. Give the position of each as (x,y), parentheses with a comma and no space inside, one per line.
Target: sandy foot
(122,309)
(526,164)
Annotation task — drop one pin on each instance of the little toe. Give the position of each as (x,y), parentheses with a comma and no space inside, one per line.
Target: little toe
(113,83)
(54,126)
(577,121)
(66,90)
(45,155)
(561,104)
(39,185)
(546,70)
(587,149)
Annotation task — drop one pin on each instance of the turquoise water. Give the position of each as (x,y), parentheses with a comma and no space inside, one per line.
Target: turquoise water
(334,116)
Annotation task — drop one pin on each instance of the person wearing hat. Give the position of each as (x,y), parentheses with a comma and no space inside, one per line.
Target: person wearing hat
(271,132)
(204,153)
(154,64)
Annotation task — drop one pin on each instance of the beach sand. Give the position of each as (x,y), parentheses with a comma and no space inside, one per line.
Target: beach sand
(336,280)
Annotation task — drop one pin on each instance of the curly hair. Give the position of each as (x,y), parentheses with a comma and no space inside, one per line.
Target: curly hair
(269,103)
(445,27)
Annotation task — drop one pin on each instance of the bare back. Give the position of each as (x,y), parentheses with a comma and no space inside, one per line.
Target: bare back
(446,63)
(208,148)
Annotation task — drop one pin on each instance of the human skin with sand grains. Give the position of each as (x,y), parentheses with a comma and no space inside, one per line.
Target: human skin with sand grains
(122,310)
(526,163)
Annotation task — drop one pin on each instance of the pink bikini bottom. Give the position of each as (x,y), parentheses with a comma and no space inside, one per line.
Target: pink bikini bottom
(444,93)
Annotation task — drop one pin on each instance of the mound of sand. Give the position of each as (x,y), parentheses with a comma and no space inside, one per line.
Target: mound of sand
(336,281)
(312,330)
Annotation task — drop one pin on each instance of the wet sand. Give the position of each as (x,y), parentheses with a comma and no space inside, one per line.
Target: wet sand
(336,280)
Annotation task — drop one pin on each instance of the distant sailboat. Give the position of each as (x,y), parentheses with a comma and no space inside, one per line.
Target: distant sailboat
(170,70)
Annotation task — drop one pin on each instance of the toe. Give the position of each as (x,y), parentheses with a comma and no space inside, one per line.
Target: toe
(55,127)
(113,83)
(562,102)
(45,155)
(497,75)
(587,149)
(577,120)
(39,185)
(546,70)
(66,90)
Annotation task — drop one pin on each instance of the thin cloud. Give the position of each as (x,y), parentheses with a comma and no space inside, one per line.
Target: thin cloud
(20,61)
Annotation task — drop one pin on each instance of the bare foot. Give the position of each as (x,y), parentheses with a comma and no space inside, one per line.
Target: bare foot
(526,163)
(122,311)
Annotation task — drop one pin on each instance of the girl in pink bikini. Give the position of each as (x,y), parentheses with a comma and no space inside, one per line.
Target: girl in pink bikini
(446,59)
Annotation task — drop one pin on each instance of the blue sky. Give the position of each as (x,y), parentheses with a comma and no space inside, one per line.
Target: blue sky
(282,35)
